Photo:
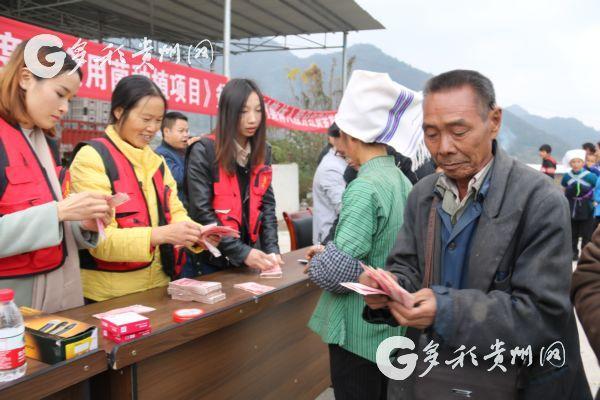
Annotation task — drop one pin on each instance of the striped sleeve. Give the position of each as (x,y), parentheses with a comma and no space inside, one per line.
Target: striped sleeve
(357,224)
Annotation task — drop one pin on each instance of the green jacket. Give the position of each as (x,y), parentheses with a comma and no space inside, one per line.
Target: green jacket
(371,216)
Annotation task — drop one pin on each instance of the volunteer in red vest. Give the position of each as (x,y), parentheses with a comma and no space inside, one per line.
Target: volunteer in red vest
(228,181)
(39,230)
(143,244)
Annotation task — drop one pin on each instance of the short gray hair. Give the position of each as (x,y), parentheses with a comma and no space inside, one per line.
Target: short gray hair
(483,87)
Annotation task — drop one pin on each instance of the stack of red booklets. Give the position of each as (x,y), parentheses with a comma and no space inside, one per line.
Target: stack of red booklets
(125,326)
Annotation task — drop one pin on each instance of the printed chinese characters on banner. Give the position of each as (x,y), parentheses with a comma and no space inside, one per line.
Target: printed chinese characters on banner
(186,88)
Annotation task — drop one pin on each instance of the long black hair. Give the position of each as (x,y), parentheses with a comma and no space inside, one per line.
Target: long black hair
(231,103)
(129,91)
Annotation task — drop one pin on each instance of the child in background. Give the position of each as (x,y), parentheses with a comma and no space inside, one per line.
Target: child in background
(548,162)
(579,187)
(591,164)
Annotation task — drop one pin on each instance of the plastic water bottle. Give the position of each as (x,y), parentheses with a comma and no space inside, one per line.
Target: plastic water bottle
(12,339)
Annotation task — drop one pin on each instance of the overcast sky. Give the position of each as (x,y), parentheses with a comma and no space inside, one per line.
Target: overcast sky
(541,54)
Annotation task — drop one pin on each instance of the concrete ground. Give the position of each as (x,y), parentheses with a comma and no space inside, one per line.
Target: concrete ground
(592,369)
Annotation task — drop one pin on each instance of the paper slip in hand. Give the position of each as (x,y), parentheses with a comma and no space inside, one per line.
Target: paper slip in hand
(390,286)
(100,226)
(254,288)
(135,308)
(218,230)
(210,247)
(272,273)
(362,289)
(115,201)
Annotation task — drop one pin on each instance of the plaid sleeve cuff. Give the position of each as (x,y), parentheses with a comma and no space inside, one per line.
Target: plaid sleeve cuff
(332,267)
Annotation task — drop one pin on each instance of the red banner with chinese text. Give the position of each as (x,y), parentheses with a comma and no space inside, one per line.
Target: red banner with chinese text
(187,89)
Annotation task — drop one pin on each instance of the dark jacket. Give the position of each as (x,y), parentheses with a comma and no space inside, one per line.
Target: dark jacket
(176,163)
(524,229)
(201,171)
(585,291)
(427,168)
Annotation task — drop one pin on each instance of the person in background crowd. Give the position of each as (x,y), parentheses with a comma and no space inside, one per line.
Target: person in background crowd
(328,188)
(579,187)
(589,148)
(40,230)
(371,215)
(142,248)
(325,149)
(591,164)
(585,293)
(494,231)
(429,167)
(176,139)
(548,162)
(596,204)
(228,181)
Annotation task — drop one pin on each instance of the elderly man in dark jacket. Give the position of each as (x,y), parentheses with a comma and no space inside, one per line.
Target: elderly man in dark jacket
(500,255)
(585,292)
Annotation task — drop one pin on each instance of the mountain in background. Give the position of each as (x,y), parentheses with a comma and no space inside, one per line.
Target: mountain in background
(569,130)
(521,135)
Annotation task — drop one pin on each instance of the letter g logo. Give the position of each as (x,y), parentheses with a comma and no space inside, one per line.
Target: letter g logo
(384,363)
(32,49)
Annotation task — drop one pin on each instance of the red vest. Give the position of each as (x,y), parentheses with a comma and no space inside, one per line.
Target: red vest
(133,213)
(227,200)
(24,184)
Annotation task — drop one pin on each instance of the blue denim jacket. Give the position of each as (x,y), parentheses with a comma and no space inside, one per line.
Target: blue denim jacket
(176,163)
(455,251)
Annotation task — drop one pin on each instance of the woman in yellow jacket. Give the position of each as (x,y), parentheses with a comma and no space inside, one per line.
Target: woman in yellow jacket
(153,224)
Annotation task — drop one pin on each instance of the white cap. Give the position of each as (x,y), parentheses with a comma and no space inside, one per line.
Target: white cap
(374,108)
(572,154)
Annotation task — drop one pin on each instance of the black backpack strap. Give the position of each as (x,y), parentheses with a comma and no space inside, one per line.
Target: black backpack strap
(167,251)
(62,175)
(107,159)
(54,149)
(3,165)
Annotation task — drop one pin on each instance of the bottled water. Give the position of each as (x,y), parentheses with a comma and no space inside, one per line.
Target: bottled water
(12,340)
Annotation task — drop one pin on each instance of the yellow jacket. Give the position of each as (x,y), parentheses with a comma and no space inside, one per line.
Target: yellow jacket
(128,244)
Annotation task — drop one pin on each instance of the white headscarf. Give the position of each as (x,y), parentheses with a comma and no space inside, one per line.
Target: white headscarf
(374,108)
(572,154)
